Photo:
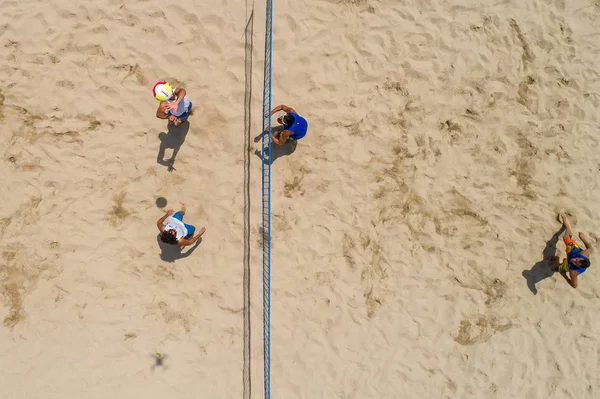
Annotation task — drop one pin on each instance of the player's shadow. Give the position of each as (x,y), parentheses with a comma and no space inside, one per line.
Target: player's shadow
(276,151)
(543,269)
(172,139)
(170,252)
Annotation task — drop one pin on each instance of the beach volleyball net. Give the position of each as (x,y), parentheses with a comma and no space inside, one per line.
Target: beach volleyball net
(266,198)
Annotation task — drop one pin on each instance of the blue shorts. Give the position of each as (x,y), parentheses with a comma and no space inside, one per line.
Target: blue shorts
(191,229)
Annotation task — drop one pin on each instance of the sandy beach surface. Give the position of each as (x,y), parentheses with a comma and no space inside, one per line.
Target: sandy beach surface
(411,227)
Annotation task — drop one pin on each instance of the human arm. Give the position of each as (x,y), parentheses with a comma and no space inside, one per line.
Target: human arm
(282,107)
(160,222)
(161,111)
(185,242)
(571,278)
(283,136)
(180,94)
(588,247)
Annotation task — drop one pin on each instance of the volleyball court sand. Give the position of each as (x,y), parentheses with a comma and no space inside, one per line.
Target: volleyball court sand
(409,226)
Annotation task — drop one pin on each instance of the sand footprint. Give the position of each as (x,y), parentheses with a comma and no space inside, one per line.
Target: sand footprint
(480,328)
(372,272)
(294,187)
(371,277)
(139,75)
(118,214)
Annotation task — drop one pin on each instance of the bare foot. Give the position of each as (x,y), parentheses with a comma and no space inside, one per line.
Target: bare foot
(202,231)
(566,224)
(182,210)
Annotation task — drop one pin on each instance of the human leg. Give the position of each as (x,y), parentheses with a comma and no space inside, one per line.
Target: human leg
(190,229)
(178,215)
(569,242)
(202,231)
(554,263)
(566,225)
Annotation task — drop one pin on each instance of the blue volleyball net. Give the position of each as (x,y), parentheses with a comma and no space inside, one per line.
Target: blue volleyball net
(266,199)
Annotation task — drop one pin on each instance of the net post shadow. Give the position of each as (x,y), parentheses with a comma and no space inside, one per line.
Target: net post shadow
(248,34)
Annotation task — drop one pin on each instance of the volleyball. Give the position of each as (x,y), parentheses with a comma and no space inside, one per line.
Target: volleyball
(162,91)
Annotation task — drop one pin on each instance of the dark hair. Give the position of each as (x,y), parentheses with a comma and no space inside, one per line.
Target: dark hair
(288,119)
(167,237)
(585,263)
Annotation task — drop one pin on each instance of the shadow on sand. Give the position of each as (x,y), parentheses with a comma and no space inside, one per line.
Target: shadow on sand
(170,253)
(276,151)
(173,139)
(246,367)
(543,269)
